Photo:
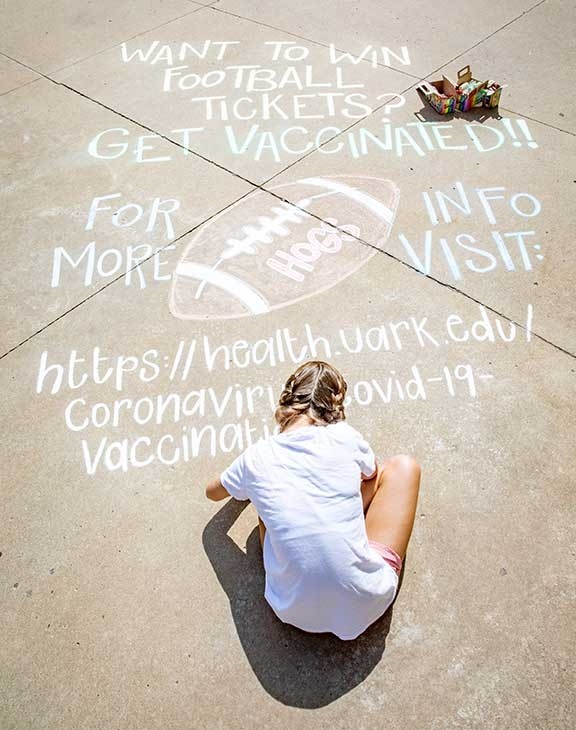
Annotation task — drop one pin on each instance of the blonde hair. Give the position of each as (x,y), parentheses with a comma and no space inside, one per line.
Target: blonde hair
(316,389)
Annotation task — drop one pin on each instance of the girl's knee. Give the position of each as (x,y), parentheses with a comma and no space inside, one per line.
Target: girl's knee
(405,463)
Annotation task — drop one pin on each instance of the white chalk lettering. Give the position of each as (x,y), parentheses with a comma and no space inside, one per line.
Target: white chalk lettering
(423,262)
(156,52)
(377,56)
(111,262)
(130,213)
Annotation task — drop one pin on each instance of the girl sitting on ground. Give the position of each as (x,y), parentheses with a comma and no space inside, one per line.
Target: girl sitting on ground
(334,524)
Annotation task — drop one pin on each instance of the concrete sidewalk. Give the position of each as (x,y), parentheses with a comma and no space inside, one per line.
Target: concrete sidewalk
(196,197)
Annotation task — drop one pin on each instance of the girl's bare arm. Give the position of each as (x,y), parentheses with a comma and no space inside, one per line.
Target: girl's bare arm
(215,490)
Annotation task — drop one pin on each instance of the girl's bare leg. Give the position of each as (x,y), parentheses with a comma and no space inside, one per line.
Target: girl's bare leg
(390,500)
(262,530)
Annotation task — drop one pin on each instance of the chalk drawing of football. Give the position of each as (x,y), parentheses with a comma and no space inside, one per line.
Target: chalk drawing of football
(264,253)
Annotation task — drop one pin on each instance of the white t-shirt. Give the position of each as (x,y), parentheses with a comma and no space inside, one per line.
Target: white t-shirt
(321,573)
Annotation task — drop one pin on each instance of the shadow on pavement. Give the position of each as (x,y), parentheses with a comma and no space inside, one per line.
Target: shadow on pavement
(297,668)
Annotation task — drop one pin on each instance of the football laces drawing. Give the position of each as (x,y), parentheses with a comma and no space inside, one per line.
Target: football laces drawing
(263,253)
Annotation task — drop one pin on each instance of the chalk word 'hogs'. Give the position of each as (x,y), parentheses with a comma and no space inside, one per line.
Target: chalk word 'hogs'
(263,253)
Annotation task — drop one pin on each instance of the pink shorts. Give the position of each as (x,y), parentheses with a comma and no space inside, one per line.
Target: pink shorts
(389,555)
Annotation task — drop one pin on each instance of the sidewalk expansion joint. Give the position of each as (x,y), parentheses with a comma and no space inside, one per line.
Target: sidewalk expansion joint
(310,40)
(261,187)
(525,12)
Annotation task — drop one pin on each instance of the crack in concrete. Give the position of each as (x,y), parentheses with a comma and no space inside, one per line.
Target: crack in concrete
(108,48)
(525,12)
(125,40)
(121,276)
(261,187)
(5,93)
(428,276)
(539,121)
(326,142)
(364,60)
(320,219)
(309,40)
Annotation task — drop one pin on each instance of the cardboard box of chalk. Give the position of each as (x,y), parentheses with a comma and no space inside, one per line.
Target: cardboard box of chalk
(446,97)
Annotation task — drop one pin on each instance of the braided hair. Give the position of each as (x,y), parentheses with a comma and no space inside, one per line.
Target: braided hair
(316,389)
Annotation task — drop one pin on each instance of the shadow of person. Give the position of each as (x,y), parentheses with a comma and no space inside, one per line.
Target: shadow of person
(297,668)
